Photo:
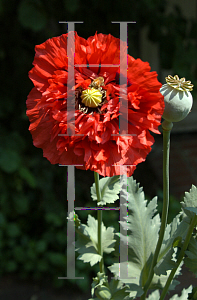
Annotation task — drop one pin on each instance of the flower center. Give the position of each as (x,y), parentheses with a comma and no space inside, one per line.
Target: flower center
(91,97)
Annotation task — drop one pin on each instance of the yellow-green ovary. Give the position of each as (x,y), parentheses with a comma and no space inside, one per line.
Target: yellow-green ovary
(91,97)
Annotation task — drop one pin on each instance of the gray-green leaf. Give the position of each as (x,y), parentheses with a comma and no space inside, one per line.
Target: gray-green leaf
(155,295)
(118,290)
(184,294)
(191,260)
(87,242)
(143,227)
(190,200)
(109,187)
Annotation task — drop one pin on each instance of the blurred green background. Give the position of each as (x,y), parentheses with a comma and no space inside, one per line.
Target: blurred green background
(32,191)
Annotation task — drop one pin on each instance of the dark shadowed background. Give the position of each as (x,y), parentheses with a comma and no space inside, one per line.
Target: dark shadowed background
(33,195)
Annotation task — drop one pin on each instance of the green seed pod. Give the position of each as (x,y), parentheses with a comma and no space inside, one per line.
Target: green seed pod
(177,97)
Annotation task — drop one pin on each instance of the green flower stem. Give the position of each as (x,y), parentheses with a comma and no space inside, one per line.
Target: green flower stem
(166,126)
(99,218)
(180,257)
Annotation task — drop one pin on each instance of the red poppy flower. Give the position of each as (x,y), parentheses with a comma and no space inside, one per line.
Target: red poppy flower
(95,143)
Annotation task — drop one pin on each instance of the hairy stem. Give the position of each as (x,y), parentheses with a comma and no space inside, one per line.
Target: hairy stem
(99,218)
(180,257)
(166,126)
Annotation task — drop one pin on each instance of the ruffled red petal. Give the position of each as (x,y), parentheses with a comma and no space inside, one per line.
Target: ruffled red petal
(95,143)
